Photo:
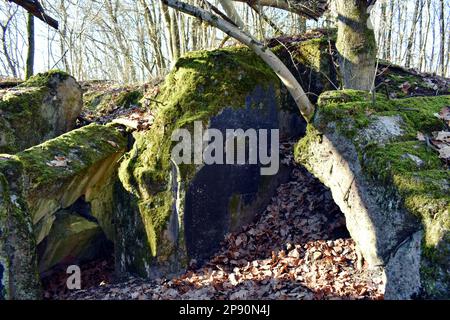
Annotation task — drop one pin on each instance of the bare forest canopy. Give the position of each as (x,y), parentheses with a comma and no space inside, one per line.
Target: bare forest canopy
(137,40)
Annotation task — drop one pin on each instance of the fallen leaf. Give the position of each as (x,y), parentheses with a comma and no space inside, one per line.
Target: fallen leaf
(405,87)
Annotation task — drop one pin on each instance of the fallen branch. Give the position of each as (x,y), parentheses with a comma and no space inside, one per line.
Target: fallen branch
(312,9)
(301,99)
(35,8)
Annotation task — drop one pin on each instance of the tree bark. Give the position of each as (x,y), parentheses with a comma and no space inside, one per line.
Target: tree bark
(356,45)
(4,27)
(154,38)
(29,69)
(381,36)
(231,12)
(389,35)
(423,49)
(442,20)
(412,36)
(297,92)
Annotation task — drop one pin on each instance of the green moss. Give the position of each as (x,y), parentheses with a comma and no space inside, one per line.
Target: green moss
(43,79)
(92,99)
(311,52)
(417,113)
(82,147)
(23,123)
(346,96)
(388,160)
(394,81)
(201,85)
(422,188)
(129,98)
(387,163)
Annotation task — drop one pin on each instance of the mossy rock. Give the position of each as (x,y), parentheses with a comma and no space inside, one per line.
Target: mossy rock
(18,264)
(211,87)
(393,189)
(75,171)
(45,106)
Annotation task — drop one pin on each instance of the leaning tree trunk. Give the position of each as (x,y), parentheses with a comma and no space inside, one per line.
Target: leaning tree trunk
(356,44)
(231,12)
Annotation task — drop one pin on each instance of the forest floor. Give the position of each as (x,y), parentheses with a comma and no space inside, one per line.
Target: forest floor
(298,248)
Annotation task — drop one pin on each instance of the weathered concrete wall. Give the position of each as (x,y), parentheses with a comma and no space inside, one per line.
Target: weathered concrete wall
(19,278)
(175,213)
(75,171)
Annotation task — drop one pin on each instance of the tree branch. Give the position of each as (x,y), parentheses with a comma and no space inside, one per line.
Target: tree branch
(35,8)
(312,9)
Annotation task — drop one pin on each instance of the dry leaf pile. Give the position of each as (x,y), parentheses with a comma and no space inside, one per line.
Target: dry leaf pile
(299,248)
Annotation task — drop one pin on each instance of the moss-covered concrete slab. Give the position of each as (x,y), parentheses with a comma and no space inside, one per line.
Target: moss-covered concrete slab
(88,158)
(393,189)
(213,87)
(45,106)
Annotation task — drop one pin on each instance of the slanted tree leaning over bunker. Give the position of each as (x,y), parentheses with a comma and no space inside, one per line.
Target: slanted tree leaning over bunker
(356,44)
(301,99)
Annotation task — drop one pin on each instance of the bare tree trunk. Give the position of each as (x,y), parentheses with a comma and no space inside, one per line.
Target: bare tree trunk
(231,12)
(447,55)
(423,53)
(63,35)
(381,40)
(412,36)
(301,24)
(9,60)
(389,36)
(442,63)
(175,36)
(29,69)
(154,38)
(129,70)
(356,45)
(297,92)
